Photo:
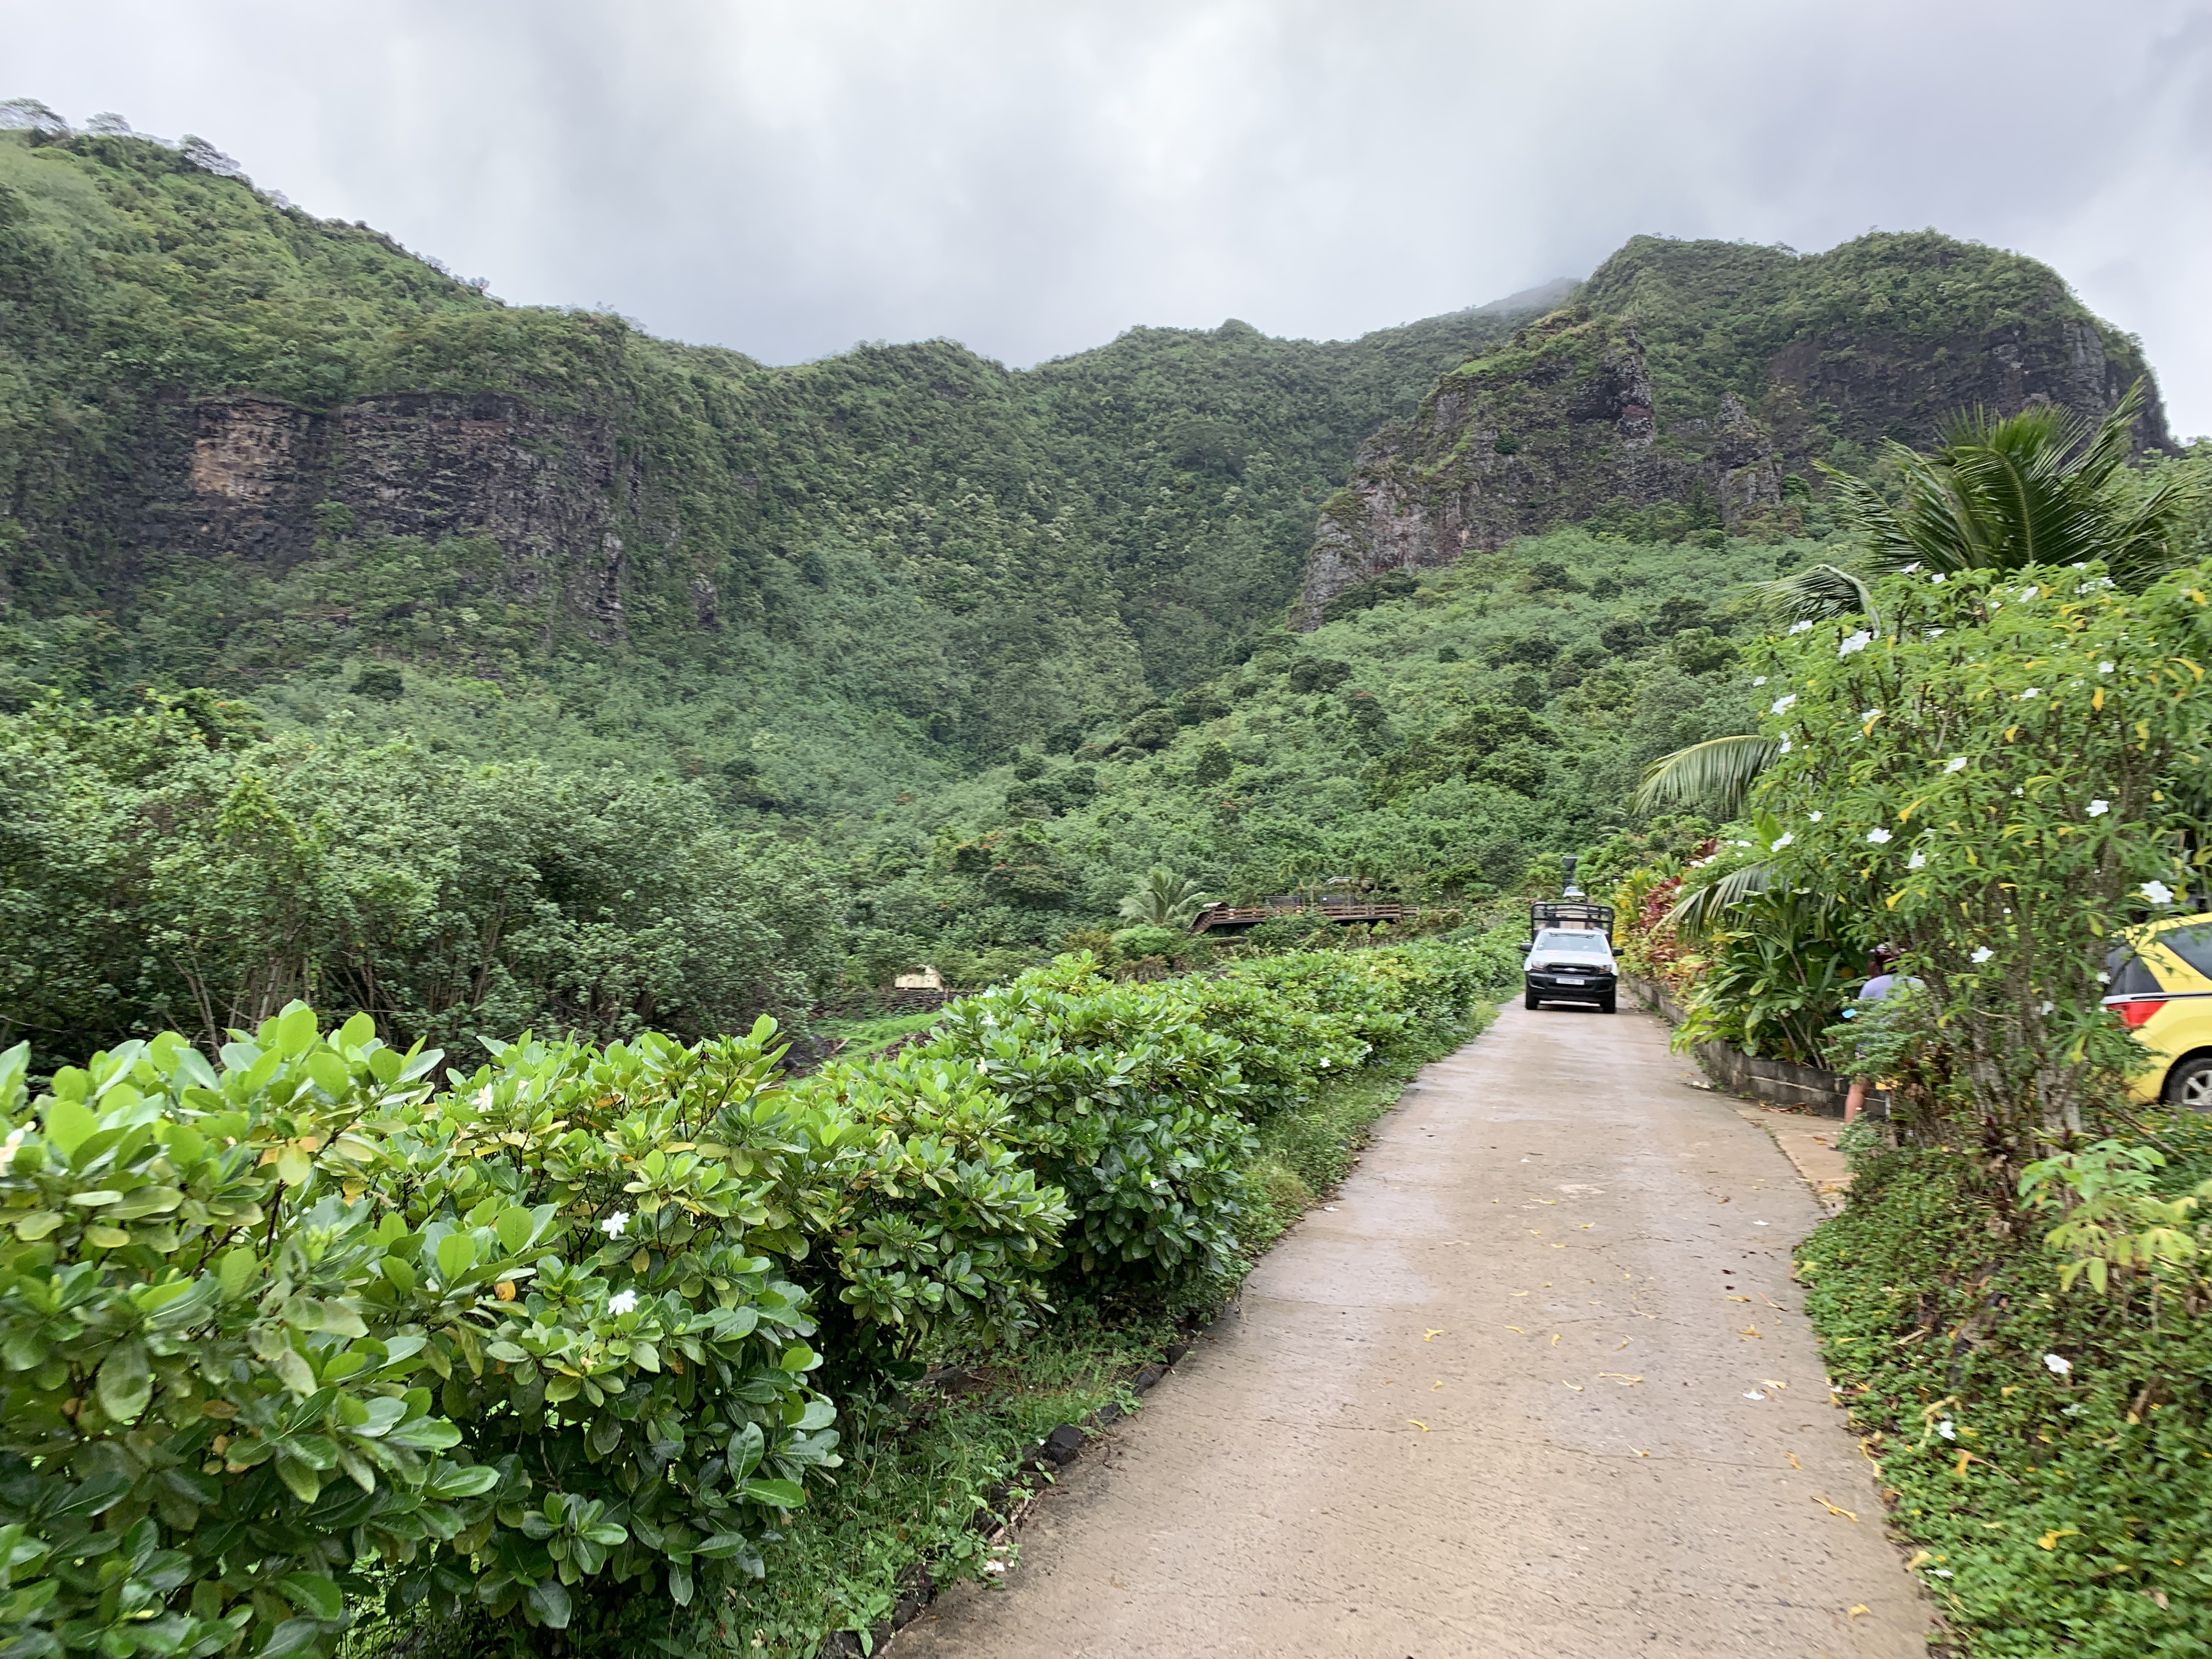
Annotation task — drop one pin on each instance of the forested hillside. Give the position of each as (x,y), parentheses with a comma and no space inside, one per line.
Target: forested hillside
(509,666)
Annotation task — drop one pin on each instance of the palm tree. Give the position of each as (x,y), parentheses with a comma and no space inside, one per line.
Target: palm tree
(1165,899)
(2034,488)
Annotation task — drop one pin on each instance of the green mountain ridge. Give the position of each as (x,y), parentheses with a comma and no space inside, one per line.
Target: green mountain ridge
(900,655)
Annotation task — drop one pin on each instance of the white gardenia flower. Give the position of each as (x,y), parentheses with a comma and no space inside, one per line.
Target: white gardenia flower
(1761,680)
(1785,745)
(613,1225)
(2104,668)
(1858,641)
(2029,592)
(1948,1429)
(2032,692)
(1956,763)
(1799,627)
(2098,808)
(1935,633)
(1876,838)
(1815,816)
(1909,569)
(1780,841)
(1982,953)
(1917,861)
(1937,579)
(2157,892)
(2058,1363)
(1869,715)
(1781,704)
(7,1151)
(622,1302)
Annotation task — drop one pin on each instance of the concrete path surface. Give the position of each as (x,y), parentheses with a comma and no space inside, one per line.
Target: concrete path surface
(1536,1385)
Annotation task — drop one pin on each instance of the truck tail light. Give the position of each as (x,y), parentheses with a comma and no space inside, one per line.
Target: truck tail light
(2136,1011)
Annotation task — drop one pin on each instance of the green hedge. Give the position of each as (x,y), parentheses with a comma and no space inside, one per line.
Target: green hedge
(2046,1449)
(558,1338)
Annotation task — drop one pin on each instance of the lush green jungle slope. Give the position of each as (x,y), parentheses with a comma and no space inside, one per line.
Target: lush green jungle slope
(561,662)
(1134,511)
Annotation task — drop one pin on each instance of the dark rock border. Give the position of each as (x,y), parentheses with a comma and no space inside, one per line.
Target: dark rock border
(1769,1082)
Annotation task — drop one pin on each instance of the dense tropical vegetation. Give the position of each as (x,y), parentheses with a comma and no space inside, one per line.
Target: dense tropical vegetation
(318,1331)
(561,1340)
(1983,746)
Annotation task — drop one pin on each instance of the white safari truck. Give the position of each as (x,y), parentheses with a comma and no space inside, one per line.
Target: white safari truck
(1570,952)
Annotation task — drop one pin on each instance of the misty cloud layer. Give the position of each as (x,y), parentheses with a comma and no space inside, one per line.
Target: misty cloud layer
(1032,179)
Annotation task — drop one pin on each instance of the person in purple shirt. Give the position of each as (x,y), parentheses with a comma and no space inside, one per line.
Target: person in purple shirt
(1880,983)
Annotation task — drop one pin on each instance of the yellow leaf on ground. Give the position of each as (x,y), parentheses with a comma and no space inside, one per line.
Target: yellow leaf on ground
(1624,1378)
(1576,1387)
(1430,1336)
(1832,1509)
(1793,1463)
(2050,1540)
(1417,1424)
(1857,1610)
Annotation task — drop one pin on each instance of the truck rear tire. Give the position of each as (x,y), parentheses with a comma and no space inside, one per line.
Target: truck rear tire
(1528,1000)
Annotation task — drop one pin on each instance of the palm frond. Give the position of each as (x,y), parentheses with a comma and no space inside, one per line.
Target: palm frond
(1818,593)
(1164,899)
(1705,907)
(1717,773)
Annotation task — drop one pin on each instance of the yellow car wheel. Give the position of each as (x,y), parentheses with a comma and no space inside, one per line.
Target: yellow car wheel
(2189,1084)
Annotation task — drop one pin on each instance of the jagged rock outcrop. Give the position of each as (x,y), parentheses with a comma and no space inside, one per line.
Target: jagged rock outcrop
(1544,430)
(1708,372)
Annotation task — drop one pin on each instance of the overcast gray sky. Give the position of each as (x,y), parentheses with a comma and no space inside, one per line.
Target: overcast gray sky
(1032,179)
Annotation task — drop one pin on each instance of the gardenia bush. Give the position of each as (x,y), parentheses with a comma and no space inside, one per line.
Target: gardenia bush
(1992,777)
(554,1339)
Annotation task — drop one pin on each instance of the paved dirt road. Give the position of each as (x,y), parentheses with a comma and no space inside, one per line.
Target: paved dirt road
(1278,1498)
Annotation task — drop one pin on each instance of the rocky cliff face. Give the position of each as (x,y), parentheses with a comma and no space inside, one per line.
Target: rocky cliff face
(1707,373)
(256,479)
(1546,430)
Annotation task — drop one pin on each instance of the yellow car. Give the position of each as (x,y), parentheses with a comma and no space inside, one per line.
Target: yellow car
(2160,984)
